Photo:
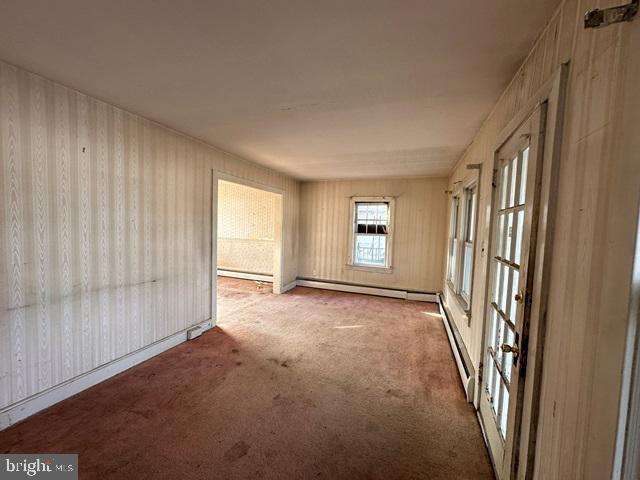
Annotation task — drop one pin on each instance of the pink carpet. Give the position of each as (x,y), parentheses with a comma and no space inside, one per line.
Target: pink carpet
(308,384)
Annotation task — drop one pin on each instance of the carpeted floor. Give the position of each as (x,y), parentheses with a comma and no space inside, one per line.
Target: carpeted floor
(308,384)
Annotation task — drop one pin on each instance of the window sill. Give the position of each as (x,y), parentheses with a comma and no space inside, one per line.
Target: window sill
(367,268)
(462,303)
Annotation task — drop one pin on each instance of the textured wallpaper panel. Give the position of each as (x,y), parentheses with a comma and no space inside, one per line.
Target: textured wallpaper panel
(105,231)
(246,221)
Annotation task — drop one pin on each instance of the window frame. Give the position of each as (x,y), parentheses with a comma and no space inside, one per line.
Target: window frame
(388,264)
(470,214)
(454,224)
(459,233)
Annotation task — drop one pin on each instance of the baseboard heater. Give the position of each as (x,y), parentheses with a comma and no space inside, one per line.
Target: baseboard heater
(258,277)
(198,330)
(367,290)
(463,360)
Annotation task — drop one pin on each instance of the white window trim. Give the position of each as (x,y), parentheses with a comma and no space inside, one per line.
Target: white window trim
(472,186)
(452,245)
(454,279)
(388,266)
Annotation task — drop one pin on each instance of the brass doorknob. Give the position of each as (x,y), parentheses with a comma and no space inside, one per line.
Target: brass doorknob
(519,297)
(510,349)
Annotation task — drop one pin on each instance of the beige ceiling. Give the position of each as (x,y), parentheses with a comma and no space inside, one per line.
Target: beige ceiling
(314,88)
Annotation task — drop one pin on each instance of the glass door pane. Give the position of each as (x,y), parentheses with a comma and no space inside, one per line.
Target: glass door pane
(503,310)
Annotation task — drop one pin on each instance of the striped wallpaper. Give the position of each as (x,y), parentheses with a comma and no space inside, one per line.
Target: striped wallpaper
(418,240)
(246,228)
(594,232)
(105,231)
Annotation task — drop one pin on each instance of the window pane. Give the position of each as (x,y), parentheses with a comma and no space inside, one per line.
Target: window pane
(472,217)
(372,217)
(496,392)
(454,217)
(454,259)
(500,235)
(512,186)
(490,372)
(450,264)
(519,229)
(371,249)
(523,180)
(508,237)
(467,268)
(508,357)
(493,318)
(514,291)
(504,185)
(496,283)
(372,228)
(499,340)
(504,287)
(504,414)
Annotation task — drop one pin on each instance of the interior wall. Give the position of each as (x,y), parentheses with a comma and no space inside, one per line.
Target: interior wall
(419,231)
(246,222)
(593,242)
(106,235)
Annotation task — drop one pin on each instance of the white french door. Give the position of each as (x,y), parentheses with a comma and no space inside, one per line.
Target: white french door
(508,300)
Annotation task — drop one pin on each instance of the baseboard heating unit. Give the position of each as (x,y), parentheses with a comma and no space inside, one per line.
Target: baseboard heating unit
(463,360)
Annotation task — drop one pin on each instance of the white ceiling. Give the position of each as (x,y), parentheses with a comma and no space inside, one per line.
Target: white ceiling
(314,88)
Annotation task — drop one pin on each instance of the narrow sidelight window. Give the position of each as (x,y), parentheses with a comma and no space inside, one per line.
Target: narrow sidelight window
(468,239)
(461,243)
(453,240)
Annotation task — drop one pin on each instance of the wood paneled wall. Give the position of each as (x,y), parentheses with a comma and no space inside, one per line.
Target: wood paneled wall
(593,242)
(246,228)
(419,231)
(105,231)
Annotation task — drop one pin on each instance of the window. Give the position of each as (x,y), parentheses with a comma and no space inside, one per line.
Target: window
(372,232)
(453,239)
(461,242)
(467,247)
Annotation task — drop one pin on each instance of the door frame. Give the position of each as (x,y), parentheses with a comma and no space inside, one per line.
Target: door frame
(552,95)
(627,454)
(278,257)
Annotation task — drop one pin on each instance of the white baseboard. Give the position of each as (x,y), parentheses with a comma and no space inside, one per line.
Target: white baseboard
(467,375)
(27,407)
(289,286)
(381,292)
(245,275)
(423,297)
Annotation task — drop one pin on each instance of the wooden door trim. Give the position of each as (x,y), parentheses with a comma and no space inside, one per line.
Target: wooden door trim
(548,192)
(553,94)
(627,454)
(528,136)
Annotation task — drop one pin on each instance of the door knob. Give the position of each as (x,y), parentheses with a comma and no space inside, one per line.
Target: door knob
(519,297)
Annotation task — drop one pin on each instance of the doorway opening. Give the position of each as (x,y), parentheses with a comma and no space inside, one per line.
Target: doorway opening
(248,249)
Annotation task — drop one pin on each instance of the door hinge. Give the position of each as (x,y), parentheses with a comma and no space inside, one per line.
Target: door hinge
(601,17)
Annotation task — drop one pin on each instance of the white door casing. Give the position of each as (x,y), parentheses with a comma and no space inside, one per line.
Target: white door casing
(514,219)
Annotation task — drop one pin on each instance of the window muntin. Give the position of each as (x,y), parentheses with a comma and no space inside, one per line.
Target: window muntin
(371,234)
